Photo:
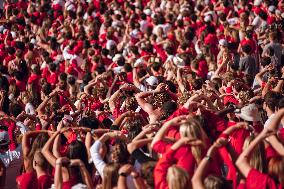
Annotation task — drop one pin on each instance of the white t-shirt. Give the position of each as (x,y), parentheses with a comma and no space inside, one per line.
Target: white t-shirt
(13,161)
(268,121)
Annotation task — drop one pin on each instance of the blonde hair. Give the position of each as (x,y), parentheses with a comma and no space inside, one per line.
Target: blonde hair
(177,178)
(193,130)
(257,158)
(110,176)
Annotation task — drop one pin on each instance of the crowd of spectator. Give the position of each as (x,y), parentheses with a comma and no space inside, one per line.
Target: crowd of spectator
(142,94)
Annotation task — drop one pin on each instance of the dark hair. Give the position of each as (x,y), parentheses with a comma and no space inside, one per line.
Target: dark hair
(87,78)
(169,108)
(18,75)
(120,153)
(197,84)
(15,109)
(46,89)
(270,51)
(63,76)
(171,85)
(246,49)
(128,67)
(121,61)
(263,15)
(92,123)
(147,170)
(272,99)
(281,103)
(71,80)
(265,61)
(52,67)
(77,150)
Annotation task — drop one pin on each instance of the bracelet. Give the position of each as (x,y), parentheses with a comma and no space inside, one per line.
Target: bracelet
(58,163)
(123,174)
(208,158)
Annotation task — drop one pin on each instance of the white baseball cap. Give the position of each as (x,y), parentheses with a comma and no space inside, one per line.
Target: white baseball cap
(271,8)
(223,42)
(207,18)
(152,80)
(116,57)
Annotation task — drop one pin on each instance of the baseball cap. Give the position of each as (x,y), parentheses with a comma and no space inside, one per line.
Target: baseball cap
(250,113)
(207,18)
(4,138)
(223,42)
(271,8)
(152,80)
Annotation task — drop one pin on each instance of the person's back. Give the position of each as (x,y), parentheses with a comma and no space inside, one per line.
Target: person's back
(248,65)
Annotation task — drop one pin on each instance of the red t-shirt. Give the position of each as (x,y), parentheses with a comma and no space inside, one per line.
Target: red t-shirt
(52,78)
(27,180)
(44,182)
(257,180)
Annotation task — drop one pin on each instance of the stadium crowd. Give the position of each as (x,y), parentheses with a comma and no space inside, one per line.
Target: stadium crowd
(142,94)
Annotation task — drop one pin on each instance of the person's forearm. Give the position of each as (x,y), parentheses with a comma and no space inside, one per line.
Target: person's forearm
(56,146)
(113,99)
(58,176)
(40,108)
(223,112)
(242,162)
(145,94)
(276,120)
(138,144)
(160,135)
(46,149)
(121,184)
(86,176)
(104,138)
(279,86)
(197,179)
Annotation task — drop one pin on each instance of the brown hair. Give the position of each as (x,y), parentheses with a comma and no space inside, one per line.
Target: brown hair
(147,170)
(276,169)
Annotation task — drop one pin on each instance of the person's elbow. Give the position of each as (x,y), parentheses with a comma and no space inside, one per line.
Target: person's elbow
(239,162)
(130,147)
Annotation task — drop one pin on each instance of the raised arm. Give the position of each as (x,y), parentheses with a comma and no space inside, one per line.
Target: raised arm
(26,145)
(140,97)
(46,150)
(273,140)
(84,172)
(242,162)
(198,177)
(161,133)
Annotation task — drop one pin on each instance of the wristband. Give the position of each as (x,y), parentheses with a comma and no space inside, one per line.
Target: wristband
(208,158)
(92,131)
(123,174)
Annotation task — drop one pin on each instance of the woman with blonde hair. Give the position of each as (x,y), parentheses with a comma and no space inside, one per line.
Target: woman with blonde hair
(110,176)
(193,130)
(169,175)
(254,177)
